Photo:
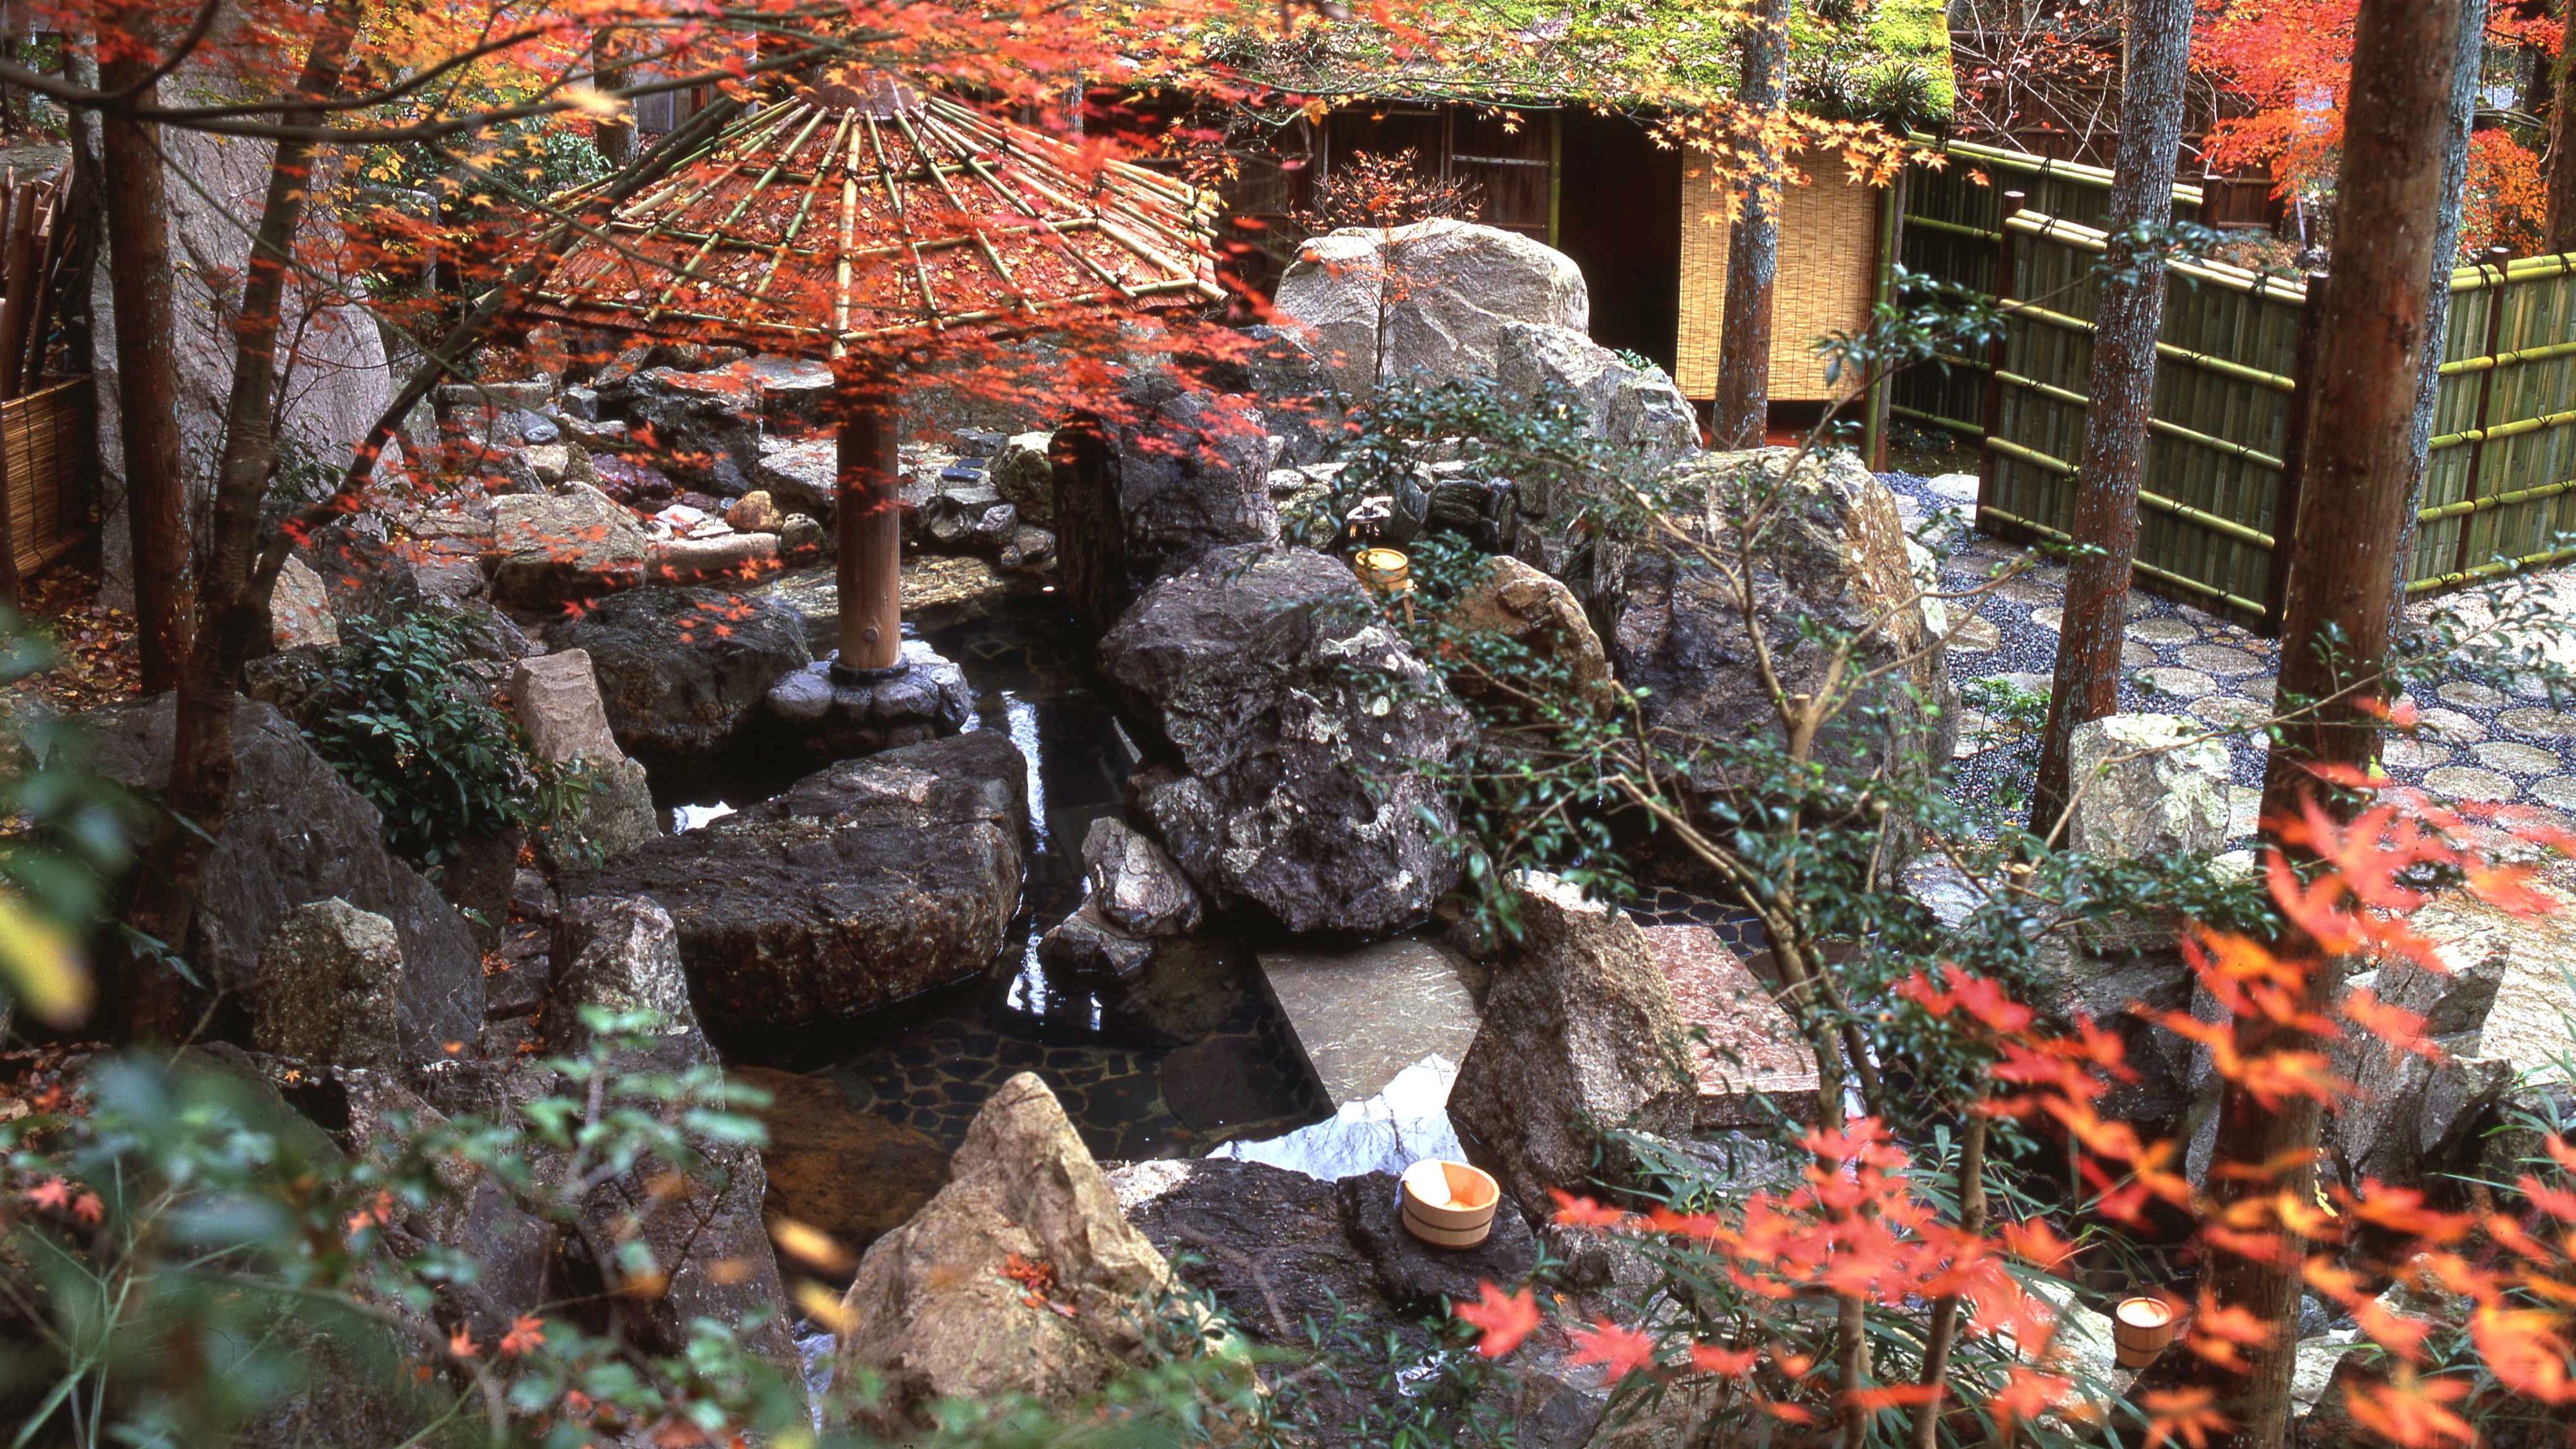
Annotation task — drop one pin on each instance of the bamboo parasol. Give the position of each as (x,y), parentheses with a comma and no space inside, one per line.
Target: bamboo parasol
(858,216)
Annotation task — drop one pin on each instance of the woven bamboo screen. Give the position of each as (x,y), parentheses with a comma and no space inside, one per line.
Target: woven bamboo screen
(2500,484)
(1953,233)
(1828,230)
(40,464)
(2219,431)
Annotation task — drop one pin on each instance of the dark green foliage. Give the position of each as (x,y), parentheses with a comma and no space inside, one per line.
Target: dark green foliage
(393,716)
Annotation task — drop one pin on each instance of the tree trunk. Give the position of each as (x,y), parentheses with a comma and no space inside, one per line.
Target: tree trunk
(615,136)
(2446,251)
(2123,384)
(147,366)
(2559,233)
(2360,460)
(1743,407)
(232,613)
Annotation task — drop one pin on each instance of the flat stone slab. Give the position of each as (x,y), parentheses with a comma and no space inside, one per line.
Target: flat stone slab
(1744,1044)
(1363,1015)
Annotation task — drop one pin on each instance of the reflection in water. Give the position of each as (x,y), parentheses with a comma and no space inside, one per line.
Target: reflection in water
(687,816)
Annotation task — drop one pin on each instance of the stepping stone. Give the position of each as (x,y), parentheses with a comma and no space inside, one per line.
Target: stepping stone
(2538,724)
(2220,660)
(2050,619)
(1978,733)
(1957,487)
(1743,1042)
(2557,791)
(2244,812)
(2451,727)
(2029,588)
(2407,753)
(2023,679)
(2228,711)
(2264,688)
(1975,636)
(2134,655)
(2172,683)
(2163,631)
(2530,686)
(2469,694)
(1365,1014)
(2517,760)
(2463,782)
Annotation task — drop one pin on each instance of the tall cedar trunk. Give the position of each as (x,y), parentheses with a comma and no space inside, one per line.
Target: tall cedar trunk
(147,366)
(615,136)
(232,614)
(1743,405)
(2360,460)
(2467,56)
(2559,235)
(2123,384)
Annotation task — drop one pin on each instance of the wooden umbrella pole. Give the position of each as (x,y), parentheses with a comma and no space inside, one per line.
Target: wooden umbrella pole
(867,517)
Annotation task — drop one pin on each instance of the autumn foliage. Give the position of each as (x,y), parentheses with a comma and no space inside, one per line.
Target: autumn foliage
(1869,1224)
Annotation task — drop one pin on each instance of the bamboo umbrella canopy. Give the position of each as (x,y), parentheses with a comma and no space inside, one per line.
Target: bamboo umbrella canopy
(857,217)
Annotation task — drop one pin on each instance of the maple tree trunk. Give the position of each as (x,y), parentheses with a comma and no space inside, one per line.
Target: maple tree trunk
(147,367)
(1743,406)
(2360,467)
(2123,383)
(2559,233)
(232,614)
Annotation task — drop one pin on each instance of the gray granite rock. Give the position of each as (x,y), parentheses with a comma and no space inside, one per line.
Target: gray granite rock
(1426,301)
(2147,784)
(1085,944)
(329,985)
(553,547)
(681,670)
(1136,885)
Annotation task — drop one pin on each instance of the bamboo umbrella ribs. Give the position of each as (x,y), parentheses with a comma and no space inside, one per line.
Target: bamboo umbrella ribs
(859,217)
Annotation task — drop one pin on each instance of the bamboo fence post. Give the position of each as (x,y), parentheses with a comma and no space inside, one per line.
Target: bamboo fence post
(1996,351)
(2486,398)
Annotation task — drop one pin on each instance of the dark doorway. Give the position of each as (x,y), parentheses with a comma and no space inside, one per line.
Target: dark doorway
(1619,215)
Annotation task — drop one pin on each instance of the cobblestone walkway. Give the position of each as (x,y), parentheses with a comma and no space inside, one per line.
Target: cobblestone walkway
(2477,742)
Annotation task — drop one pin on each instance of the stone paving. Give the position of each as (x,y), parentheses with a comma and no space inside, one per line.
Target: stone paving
(2478,743)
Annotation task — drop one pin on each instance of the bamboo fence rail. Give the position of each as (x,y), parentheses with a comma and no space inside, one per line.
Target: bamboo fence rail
(2222,468)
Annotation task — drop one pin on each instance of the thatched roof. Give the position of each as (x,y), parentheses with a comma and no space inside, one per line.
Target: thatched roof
(855,212)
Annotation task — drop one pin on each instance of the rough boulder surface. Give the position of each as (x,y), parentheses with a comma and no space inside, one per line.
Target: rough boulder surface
(1833,552)
(1193,474)
(2144,790)
(1637,410)
(860,885)
(1430,299)
(551,547)
(1138,888)
(1580,1036)
(932,1308)
(294,833)
(328,985)
(680,670)
(1301,728)
(556,697)
(1526,606)
(619,954)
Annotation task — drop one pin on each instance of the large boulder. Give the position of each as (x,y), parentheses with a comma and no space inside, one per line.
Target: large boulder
(330,983)
(860,885)
(620,954)
(705,425)
(1580,1038)
(1023,476)
(2147,784)
(1525,605)
(556,697)
(1428,300)
(295,832)
(1637,410)
(942,1306)
(680,670)
(1192,473)
(1831,555)
(1301,728)
(554,547)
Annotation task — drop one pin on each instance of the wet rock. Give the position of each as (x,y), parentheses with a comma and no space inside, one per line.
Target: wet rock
(620,954)
(680,670)
(1413,1274)
(1087,944)
(932,1309)
(1580,1037)
(299,610)
(554,547)
(1833,554)
(1427,300)
(2143,791)
(860,885)
(1636,410)
(1301,727)
(755,512)
(802,540)
(803,478)
(706,424)
(814,713)
(293,833)
(1030,550)
(328,987)
(1024,478)
(1137,887)
(832,1167)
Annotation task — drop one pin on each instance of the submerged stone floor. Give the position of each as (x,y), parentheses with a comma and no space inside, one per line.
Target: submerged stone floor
(2478,742)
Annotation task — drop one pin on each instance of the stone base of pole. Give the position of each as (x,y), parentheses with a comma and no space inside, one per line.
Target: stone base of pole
(832,712)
